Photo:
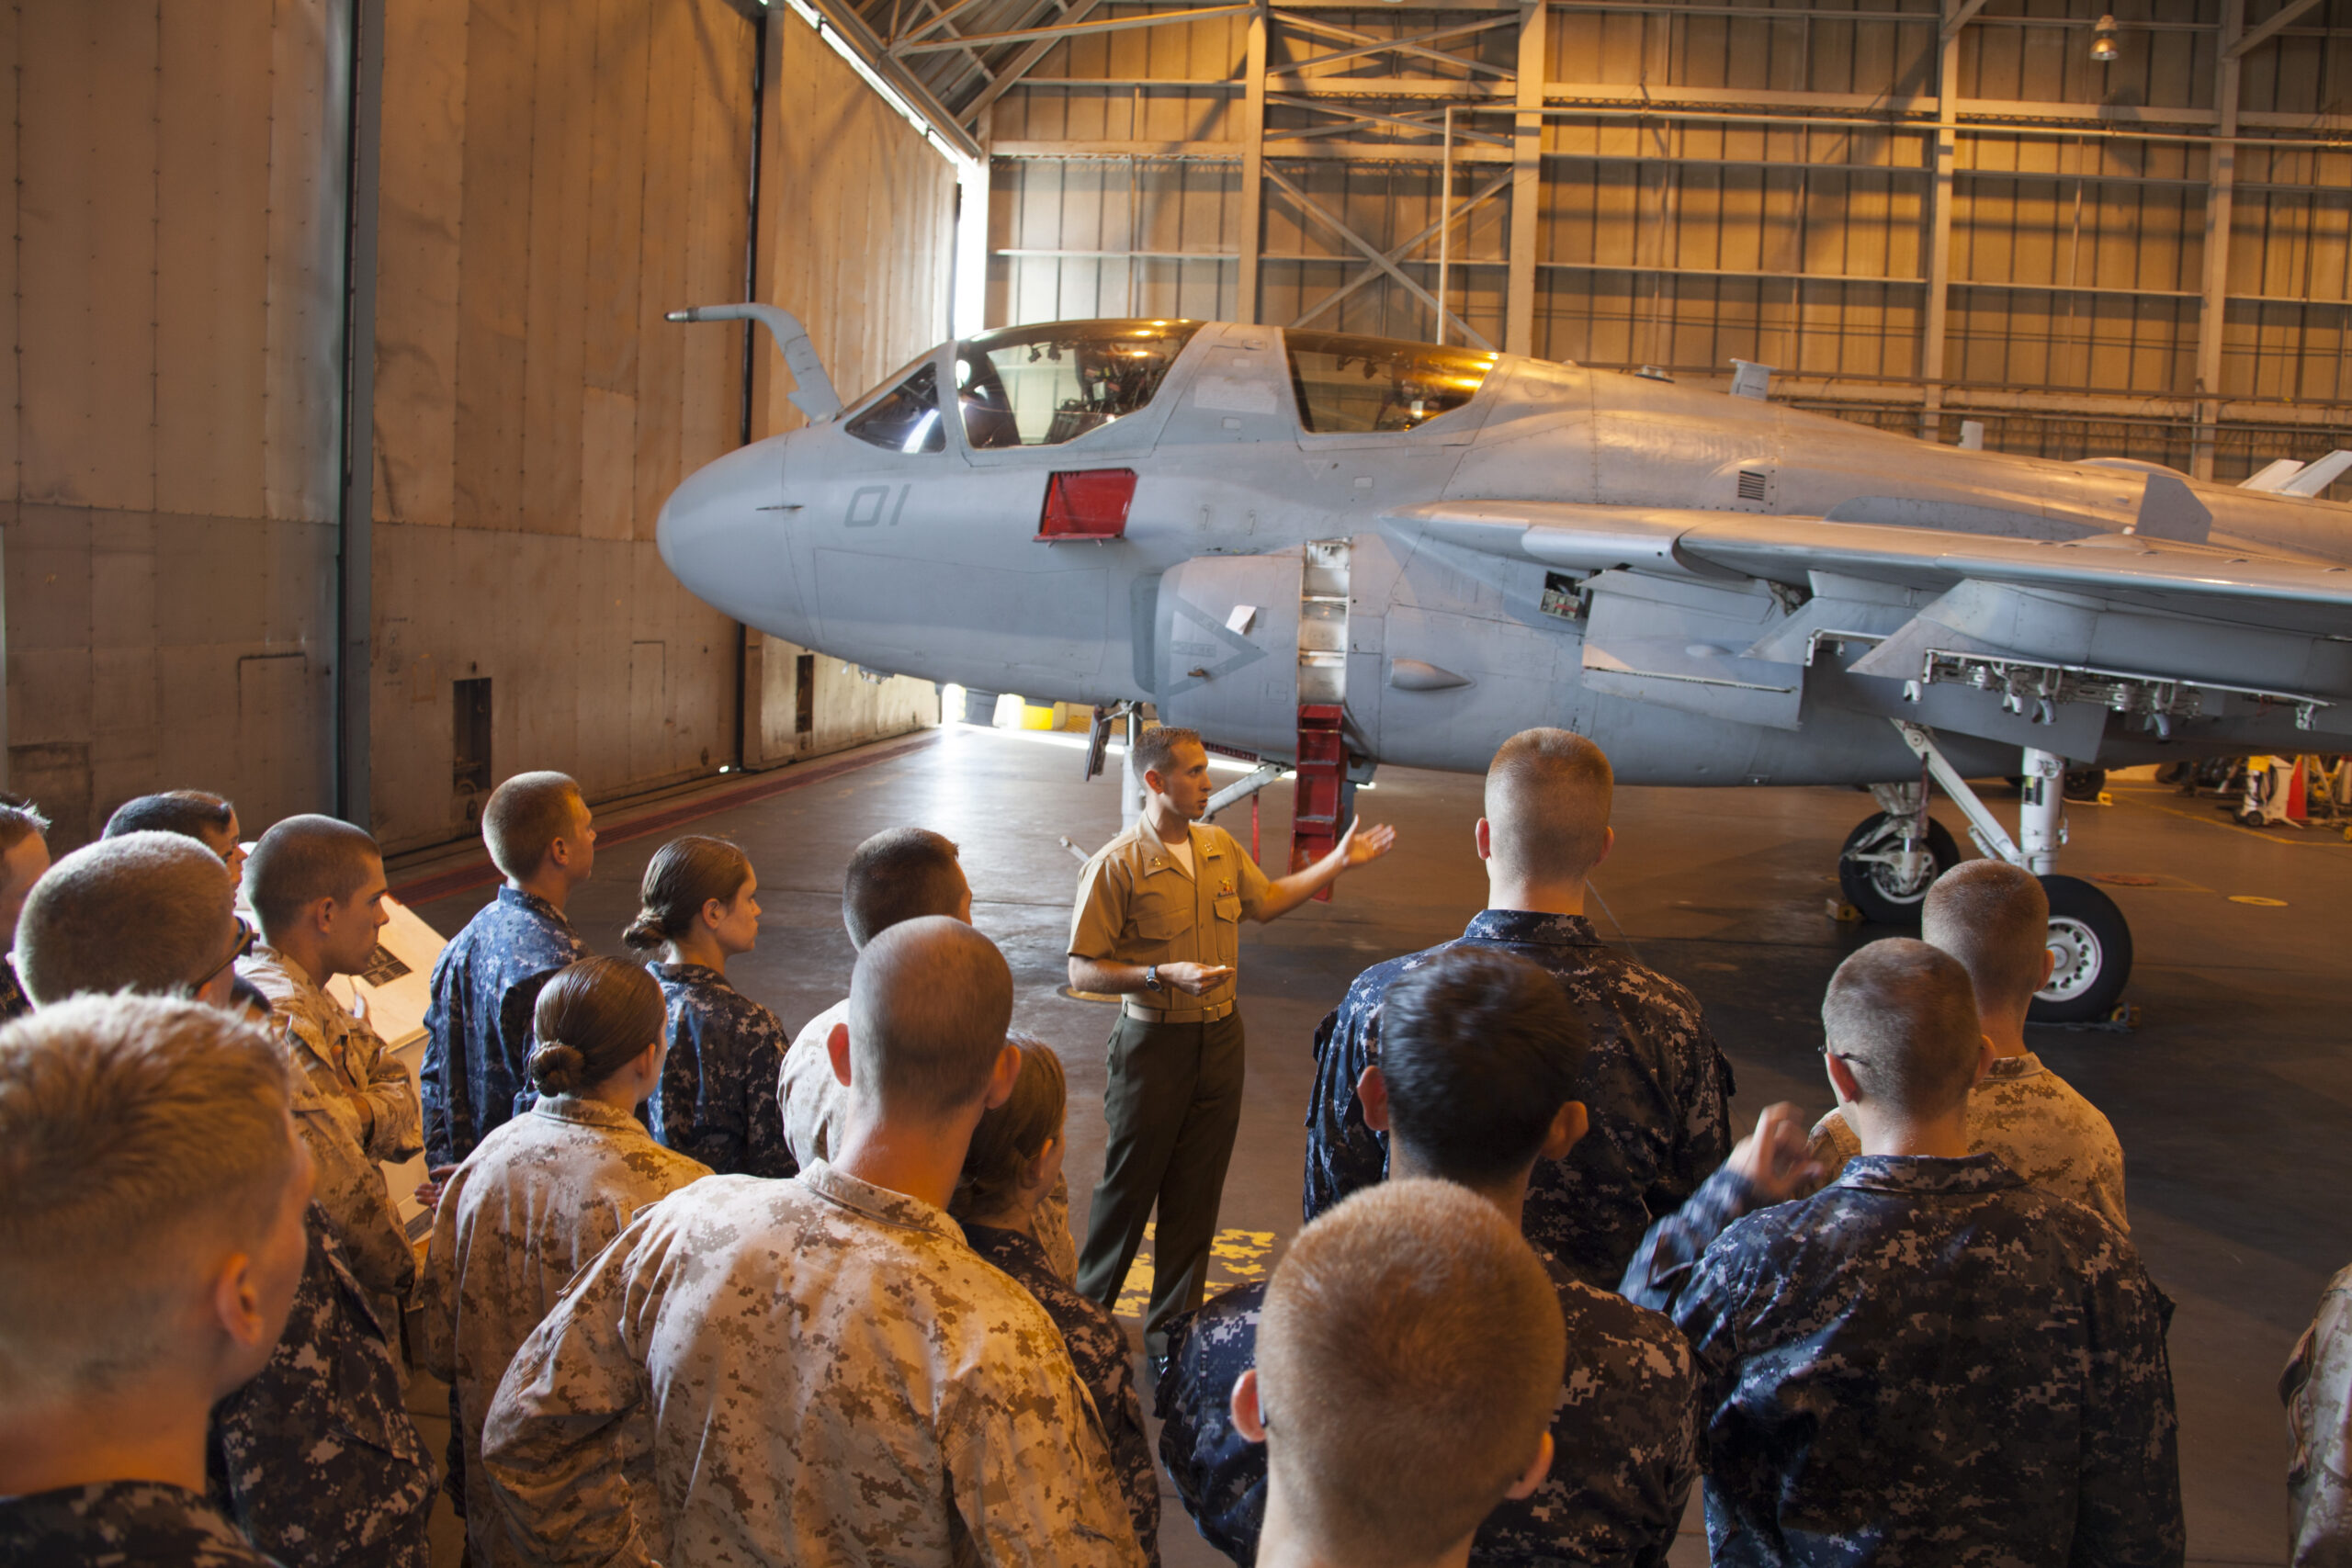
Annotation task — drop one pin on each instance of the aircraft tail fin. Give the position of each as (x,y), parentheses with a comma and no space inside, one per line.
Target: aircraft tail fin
(813,392)
(2272,475)
(2170,509)
(2318,476)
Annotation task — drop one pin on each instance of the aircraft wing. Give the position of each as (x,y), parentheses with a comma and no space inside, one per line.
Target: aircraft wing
(1723,613)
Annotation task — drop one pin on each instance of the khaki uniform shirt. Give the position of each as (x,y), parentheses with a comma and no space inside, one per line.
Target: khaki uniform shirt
(832,1376)
(341,1055)
(815,1106)
(2036,1122)
(1137,904)
(538,1199)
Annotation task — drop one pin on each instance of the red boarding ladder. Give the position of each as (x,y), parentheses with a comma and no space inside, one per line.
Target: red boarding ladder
(1317,788)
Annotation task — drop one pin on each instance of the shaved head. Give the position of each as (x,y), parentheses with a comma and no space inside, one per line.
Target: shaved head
(148,912)
(1408,1362)
(1994,918)
(928,1003)
(1903,1015)
(1548,794)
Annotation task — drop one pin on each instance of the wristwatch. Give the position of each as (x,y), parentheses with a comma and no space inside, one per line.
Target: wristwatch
(1151,977)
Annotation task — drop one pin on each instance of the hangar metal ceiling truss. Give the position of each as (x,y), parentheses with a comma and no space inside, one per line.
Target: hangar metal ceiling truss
(1466,86)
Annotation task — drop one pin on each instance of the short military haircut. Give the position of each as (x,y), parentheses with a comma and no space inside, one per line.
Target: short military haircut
(900,874)
(304,859)
(19,820)
(190,813)
(1479,1049)
(150,912)
(1408,1362)
(1994,918)
(1548,795)
(526,815)
(929,1003)
(1903,1015)
(141,1141)
(1155,748)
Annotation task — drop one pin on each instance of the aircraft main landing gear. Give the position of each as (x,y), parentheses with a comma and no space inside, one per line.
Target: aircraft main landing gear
(1889,860)
(2089,940)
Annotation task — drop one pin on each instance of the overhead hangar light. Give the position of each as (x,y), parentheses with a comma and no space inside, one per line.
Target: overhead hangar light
(2103,48)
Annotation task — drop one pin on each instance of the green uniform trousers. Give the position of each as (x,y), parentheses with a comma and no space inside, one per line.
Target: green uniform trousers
(1172,1104)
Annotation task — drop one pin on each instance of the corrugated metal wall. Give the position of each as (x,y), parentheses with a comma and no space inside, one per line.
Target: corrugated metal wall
(171,459)
(1774,203)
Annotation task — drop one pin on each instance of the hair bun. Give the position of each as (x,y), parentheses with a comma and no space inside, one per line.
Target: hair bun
(646,932)
(557,1069)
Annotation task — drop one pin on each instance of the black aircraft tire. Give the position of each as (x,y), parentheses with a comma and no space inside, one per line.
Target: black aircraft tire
(2083,784)
(2094,945)
(1860,883)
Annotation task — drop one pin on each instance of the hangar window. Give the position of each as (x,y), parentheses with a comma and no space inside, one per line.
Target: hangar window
(1360,384)
(905,417)
(1043,385)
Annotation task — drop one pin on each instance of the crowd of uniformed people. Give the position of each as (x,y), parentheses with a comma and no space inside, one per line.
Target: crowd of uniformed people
(706,1293)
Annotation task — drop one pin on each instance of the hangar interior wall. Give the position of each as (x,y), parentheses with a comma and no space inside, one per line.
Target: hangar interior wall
(1705,181)
(857,219)
(555,174)
(169,463)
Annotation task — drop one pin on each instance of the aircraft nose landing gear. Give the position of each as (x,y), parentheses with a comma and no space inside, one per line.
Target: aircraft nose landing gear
(2091,943)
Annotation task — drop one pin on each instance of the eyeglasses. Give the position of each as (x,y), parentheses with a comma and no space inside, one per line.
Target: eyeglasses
(238,949)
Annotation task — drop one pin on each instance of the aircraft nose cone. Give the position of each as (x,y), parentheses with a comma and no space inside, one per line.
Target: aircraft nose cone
(723,534)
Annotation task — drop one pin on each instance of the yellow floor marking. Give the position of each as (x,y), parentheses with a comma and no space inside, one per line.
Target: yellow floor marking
(2259,900)
(1236,1257)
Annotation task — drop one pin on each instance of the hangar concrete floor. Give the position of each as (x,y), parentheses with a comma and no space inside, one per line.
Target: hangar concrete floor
(2231,1097)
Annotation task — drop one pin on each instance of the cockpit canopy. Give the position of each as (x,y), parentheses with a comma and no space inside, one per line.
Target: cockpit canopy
(1040,386)
(1043,385)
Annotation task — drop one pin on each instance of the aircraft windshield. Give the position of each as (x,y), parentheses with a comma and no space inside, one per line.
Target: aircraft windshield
(1043,385)
(1359,384)
(905,418)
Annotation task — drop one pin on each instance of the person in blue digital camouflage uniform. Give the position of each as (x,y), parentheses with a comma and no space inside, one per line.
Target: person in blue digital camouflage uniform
(478,1026)
(1929,1360)
(1656,1089)
(1481,1054)
(718,1099)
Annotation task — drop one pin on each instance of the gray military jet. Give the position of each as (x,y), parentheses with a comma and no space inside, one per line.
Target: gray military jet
(1327,551)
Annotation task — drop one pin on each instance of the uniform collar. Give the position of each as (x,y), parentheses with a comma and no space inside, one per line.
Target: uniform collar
(1155,850)
(690,974)
(2010,1068)
(1927,1175)
(585,1112)
(879,1204)
(1531,928)
(534,903)
(279,966)
(992,1243)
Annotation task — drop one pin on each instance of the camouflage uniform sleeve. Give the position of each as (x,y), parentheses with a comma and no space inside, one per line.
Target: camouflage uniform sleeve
(1028,1468)
(1343,1154)
(719,1086)
(396,1126)
(1668,1261)
(1713,1287)
(2317,1389)
(2130,1511)
(1706,1138)
(553,1440)
(1220,1476)
(447,1116)
(436,1318)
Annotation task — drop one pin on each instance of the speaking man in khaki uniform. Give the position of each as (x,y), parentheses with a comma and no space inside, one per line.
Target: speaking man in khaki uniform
(1159,921)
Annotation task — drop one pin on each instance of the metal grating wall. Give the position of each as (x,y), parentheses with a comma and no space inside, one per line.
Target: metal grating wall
(1712,180)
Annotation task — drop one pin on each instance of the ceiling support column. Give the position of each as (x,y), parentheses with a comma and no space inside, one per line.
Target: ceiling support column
(2221,180)
(1526,181)
(1253,168)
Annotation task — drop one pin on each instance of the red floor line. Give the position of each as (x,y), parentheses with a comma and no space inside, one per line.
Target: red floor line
(477,874)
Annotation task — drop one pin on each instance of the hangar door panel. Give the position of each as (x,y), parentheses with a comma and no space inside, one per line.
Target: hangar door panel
(1225,638)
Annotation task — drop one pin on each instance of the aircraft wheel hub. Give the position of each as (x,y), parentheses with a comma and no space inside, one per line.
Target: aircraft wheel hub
(2078,955)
